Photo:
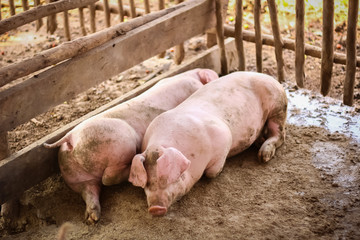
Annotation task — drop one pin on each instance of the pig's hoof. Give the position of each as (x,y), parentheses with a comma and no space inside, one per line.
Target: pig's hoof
(92,214)
(157,210)
(266,153)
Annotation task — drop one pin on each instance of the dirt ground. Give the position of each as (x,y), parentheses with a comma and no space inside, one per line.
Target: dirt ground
(310,189)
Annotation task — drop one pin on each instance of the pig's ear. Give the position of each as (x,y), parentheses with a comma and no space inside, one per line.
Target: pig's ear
(171,165)
(207,75)
(138,176)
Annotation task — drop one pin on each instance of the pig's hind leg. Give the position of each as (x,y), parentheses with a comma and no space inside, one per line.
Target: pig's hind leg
(274,137)
(91,194)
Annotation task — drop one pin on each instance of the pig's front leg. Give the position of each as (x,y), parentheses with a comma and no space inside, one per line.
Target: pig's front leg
(274,138)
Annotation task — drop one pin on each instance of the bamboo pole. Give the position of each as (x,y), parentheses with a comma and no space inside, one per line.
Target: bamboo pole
(147,6)
(351,52)
(327,53)
(40,11)
(66,26)
(107,13)
(92,17)
(39,22)
(12,7)
(121,10)
(220,36)
(25,5)
(310,50)
(82,21)
(278,40)
(70,49)
(300,43)
(179,49)
(161,5)
(132,9)
(238,33)
(258,37)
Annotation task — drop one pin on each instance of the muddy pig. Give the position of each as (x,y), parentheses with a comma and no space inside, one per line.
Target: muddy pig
(220,120)
(100,149)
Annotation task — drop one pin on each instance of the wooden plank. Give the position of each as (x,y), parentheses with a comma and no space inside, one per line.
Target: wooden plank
(351,53)
(68,50)
(300,43)
(179,49)
(64,81)
(35,163)
(310,50)
(277,39)
(258,37)
(327,53)
(238,35)
(40,12)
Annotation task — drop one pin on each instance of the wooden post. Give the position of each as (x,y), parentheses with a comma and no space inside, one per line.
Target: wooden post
(238,35)
(12,7)
(179,49)
(107,13)
(258,37)
(0,9)
(25,5)
(51,21)
(147,6)
(220,36)
(10,209)
(351,52)
(278,40)
(300,43)
(327,53)
(121,10)
(39,22)
(92,17)
(66,26)
(132,9)
(161,6)
(82,21)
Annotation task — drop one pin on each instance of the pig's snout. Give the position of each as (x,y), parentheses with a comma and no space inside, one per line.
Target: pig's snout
(157,210)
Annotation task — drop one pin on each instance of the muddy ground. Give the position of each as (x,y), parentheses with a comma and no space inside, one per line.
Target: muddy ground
(311,189)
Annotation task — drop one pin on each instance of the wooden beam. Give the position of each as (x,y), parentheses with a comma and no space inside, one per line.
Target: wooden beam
(238,34)
(327,53)
(66,80)
(278,40)
(40,12)
(349,83)
(220,36)
(258,37)
(289,44)
(300,43)
(71,49)
(35,163)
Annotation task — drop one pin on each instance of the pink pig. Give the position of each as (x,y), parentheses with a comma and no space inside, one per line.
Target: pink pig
(218,121)
(100,149)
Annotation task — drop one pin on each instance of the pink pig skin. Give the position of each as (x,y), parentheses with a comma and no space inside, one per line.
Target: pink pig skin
(100,149)
(218,121)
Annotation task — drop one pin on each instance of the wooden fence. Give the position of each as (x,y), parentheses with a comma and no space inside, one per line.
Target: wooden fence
(155,32)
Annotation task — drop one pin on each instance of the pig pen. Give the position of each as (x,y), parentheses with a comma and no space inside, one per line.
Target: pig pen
(310,189)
